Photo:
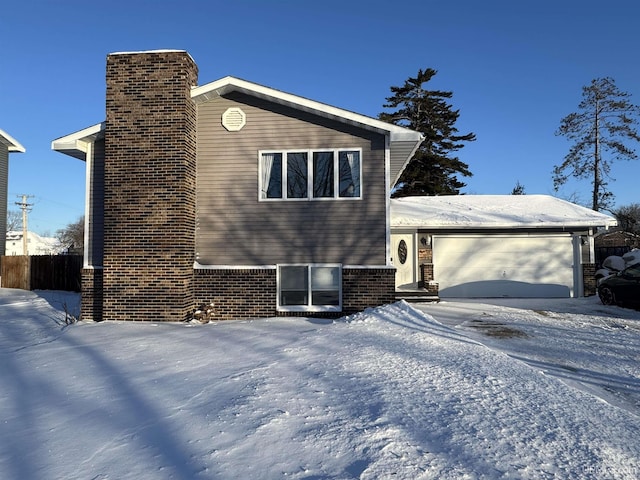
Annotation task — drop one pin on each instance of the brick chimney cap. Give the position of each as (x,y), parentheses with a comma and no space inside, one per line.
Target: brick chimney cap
(148,51)
(154,51)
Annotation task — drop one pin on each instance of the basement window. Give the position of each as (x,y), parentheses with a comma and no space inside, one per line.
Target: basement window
(310,288)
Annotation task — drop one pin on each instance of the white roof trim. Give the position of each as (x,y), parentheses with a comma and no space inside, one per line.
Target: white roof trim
(166,50)
(228,84)
(75,144)
(201,266)
(12,144)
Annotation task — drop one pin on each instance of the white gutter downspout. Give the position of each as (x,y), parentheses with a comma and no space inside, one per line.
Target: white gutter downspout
(87,202)
(578,283)
(387,189)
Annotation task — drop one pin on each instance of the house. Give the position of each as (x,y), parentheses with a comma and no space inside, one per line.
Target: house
(495,245)
(7,145)
(262,202)
(615,242)
(36,244)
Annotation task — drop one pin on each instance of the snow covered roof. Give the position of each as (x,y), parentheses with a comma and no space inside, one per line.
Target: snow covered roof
(494,211)
(10,142)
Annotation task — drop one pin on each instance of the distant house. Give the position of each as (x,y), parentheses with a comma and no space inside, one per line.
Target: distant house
(495,245)
(615,242)
(36,244)
(7,145)
(262,202)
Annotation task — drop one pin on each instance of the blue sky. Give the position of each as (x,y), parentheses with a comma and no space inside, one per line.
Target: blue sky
(515,69)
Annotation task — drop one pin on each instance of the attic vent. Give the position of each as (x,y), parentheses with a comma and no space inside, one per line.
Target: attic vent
(233,119)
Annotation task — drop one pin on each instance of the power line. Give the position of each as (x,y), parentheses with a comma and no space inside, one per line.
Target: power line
(26,208)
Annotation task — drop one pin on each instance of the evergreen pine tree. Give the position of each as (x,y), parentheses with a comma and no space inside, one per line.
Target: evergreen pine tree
(434,168)
(601,129)
(518,189)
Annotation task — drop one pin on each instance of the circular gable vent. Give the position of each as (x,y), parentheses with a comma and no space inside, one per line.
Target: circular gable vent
(233,119)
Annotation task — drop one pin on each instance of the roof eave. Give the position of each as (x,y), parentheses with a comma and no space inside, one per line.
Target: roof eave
(12,144)
(228,84)
(404,166)
(518,226)
(75,144)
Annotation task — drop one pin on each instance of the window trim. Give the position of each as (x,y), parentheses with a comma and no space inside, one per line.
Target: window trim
(310,180)
(309,307)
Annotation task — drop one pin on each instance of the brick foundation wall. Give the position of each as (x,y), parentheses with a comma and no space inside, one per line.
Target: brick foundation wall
(367,287)
(251,293)
(91,298)
(589,279)
(149,173)
(242,293)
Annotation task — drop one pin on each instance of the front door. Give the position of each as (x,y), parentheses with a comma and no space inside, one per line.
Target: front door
(402,257)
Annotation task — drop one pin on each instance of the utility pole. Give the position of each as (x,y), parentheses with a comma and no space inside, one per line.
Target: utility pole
(26,208)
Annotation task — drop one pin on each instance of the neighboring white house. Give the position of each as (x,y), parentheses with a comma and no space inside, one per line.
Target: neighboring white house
(36,245)
(494,245)
(8,145)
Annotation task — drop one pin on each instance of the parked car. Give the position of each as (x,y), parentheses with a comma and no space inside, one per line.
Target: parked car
(623,288)
(614,264)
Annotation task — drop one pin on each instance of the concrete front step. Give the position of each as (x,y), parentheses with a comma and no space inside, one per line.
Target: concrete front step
(417,296)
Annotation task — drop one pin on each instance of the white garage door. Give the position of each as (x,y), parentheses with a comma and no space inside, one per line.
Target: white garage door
(504,266)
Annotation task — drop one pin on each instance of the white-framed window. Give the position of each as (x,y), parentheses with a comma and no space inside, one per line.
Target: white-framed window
(310,174)
(310,288)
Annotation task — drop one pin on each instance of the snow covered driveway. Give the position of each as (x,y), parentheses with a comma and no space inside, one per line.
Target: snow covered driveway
(590,346)
(464,390)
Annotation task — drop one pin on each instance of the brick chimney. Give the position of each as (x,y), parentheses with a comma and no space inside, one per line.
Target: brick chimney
(149,187)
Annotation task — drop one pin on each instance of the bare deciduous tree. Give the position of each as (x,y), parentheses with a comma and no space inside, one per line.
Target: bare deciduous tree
(72,236)
(14,220)
(628,217)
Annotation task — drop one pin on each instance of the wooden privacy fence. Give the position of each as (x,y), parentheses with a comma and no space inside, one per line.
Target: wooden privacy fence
(41,272)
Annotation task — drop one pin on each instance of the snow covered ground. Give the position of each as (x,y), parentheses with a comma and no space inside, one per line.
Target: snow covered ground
(526,389)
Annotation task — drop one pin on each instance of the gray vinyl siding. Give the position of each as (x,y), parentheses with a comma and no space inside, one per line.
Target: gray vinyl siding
(399,156)
(234,228)
(4,181)
(95,247)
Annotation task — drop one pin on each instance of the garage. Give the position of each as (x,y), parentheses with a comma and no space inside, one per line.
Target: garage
(525,265)
(480,246)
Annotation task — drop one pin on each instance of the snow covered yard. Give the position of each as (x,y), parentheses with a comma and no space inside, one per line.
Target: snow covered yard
(531,389)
